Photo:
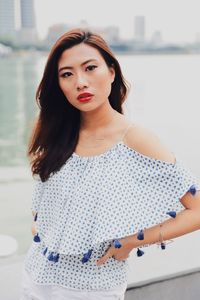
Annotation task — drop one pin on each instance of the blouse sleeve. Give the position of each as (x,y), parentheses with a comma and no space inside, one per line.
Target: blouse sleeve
(166,185)
(149,193)
(38,187)
(183,181)
(172,185)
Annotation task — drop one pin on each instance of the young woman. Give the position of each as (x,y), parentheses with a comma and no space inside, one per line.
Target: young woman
(104,185)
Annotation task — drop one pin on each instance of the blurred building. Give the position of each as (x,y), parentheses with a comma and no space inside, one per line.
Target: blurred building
(109,33)
(7,19)
(17,22)
(139,28)
(27,32)
(156,38)
(54,32)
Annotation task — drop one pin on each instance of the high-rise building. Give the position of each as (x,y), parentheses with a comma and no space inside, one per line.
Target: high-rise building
(7,19)
(28,34)
(27,14)
(17,21)
(139,28)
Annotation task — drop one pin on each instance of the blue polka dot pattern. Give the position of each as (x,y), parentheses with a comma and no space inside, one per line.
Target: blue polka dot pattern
(94,200)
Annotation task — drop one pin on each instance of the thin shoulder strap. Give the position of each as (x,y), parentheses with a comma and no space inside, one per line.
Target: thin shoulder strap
(126,130)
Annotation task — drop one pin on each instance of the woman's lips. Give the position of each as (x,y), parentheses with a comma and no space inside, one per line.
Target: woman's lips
(85,99)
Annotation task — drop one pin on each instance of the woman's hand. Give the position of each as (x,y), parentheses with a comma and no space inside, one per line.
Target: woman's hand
(118,253)
(33,229)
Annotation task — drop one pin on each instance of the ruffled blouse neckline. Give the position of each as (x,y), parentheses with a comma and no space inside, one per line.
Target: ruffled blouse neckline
(126,147)
(74,154)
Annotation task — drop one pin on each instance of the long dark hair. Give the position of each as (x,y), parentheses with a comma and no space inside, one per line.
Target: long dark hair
(56,130)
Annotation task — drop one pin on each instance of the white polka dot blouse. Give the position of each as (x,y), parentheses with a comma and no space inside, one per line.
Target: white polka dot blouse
(91,203)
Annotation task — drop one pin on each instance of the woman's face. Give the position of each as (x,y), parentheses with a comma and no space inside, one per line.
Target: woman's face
(82,69)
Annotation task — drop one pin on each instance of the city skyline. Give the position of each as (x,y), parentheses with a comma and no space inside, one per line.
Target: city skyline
(17,21)
(177,20)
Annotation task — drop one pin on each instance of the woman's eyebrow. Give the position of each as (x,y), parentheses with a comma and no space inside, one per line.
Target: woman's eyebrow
(84,63)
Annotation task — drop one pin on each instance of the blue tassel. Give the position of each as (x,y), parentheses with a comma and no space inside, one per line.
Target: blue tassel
(163,246)
(86,256)
(139,252)
(192,189)
(36,238)
(140,235)
(172,214)
(45,251)
(56,257)
(50,257)
(35,218)
(117,243)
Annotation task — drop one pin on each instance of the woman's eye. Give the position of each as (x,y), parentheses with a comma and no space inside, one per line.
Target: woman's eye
(91,67)
(66,74)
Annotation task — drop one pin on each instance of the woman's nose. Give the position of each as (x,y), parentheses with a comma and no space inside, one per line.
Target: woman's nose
(81,82)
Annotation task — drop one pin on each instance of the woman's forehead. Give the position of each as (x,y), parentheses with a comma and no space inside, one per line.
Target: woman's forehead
(79,54)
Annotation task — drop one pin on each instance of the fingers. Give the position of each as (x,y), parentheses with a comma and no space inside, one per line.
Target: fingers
(104,258)
(118,254)
(33,229)
(111,253)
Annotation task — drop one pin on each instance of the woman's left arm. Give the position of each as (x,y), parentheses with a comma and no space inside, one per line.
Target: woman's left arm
(186,221)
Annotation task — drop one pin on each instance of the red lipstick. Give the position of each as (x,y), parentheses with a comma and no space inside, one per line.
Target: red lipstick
(84,97)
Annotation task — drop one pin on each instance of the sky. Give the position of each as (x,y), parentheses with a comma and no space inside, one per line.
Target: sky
(178,20)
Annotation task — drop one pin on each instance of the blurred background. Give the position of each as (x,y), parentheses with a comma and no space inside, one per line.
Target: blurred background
(158,46)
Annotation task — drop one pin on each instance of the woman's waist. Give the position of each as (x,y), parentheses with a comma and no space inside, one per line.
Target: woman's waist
(36,253)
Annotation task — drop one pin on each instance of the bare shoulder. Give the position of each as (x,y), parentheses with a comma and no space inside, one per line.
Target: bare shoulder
(146,142)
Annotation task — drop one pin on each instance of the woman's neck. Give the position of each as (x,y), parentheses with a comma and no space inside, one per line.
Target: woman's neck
(96,122)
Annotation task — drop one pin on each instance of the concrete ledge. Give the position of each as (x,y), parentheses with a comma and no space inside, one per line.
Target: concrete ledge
(158,279)
(181,287)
